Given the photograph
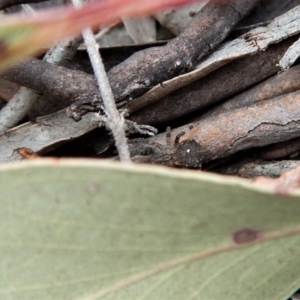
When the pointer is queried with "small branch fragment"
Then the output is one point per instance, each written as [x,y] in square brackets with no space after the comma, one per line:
[152,66]
[17,108]
[290,56]
[256,40]
[56,81]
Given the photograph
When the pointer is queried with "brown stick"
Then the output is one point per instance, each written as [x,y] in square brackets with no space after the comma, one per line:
[59,82]
[143,69]
[265,123]
[283,83]
[221,84]
[68,85]
[147,68]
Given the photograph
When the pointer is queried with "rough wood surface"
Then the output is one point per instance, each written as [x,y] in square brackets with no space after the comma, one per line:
[59,82]
[248,44]
[283,83]
[257,125]
[40,137]
[144,68]
[217,86]
[83,89]
[155,65]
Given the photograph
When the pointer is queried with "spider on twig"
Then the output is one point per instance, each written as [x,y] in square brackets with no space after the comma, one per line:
[185,154]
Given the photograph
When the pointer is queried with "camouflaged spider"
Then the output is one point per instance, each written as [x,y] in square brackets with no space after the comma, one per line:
[185,154]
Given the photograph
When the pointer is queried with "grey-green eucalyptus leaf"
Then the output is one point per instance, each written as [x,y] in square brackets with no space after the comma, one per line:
[93,230]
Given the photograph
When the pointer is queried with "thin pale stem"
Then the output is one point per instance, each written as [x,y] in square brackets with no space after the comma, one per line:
[114,121]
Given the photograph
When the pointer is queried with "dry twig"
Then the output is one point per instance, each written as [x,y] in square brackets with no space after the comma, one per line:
[113,120]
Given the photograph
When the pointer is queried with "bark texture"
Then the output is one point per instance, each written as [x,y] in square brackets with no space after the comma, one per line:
[261,124]
[217,86]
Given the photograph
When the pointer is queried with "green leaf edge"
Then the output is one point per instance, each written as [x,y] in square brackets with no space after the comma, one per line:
[145,169]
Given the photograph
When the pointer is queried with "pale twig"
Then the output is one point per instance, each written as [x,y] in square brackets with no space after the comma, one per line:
[290,56]
[16,109]
[114,120]
[62,51]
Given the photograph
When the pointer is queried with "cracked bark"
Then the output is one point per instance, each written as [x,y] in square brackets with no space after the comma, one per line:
[286,183]
[261,124]
[86,94]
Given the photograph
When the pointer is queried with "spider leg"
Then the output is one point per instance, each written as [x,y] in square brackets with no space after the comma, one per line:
[177,138]
[168,135]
